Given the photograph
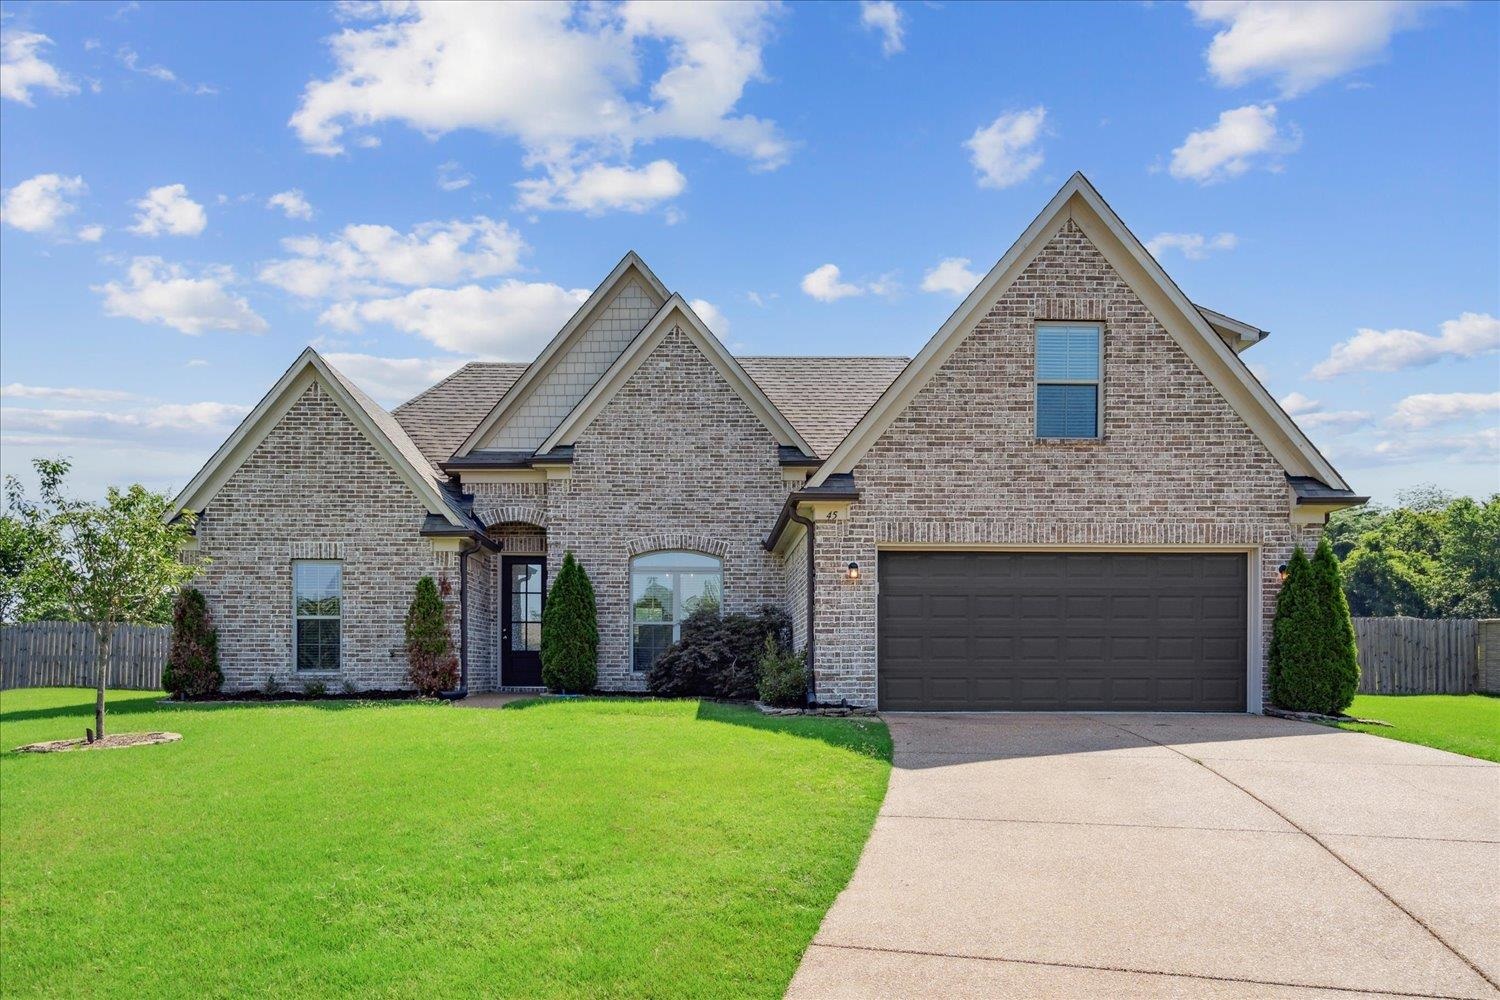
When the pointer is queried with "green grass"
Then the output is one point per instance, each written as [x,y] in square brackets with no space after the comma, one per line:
[587,848]
[1463,723]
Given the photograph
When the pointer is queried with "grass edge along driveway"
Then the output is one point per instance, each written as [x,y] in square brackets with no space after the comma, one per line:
[1468,724]
[602,848]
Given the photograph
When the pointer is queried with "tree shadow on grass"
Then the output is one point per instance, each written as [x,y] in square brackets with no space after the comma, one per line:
[144,702]
[863,735]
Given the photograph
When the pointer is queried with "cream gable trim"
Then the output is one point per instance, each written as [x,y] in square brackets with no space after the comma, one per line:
[675,314]
[631,265]
[1079,201]
[307,370]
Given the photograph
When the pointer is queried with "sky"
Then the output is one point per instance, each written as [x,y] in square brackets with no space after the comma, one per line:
[191,194]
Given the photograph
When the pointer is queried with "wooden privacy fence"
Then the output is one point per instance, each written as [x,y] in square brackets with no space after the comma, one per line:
[1417,655]
[61,654]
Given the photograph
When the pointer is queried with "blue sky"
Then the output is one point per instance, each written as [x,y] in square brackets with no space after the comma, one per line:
[191,194]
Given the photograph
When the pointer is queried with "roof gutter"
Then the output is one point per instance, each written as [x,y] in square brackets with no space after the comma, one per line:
[789,513]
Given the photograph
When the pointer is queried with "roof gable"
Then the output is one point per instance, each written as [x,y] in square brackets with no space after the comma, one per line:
[1079,201]
[378,426]
[675,314]
[630,270]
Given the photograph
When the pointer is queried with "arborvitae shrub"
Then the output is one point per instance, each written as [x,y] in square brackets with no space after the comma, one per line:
[1313,663]
[570,631]
[192,668]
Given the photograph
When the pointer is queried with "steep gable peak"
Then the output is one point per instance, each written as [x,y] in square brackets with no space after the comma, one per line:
[572,360]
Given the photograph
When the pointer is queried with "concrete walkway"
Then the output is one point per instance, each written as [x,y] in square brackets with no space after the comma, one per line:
[1167,856]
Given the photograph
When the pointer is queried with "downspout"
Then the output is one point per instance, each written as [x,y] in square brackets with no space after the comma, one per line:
[462,691]
[812,539]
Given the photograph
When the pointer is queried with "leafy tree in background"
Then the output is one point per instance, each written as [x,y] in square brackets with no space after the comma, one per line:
[26,593]
[1434,556]
[113,562]
[570,631]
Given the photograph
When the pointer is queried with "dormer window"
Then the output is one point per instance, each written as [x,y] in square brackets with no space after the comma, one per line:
[1069,367]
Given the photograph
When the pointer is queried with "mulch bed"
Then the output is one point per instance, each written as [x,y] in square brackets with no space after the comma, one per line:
[115,742]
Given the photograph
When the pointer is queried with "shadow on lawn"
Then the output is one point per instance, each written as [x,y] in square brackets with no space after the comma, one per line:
[143,702]
[865,736]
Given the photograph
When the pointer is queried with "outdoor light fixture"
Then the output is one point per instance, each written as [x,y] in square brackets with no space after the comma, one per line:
[853,572]
[1281,570]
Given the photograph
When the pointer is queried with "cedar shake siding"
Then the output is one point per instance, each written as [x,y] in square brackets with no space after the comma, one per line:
[961,465]
[314,488]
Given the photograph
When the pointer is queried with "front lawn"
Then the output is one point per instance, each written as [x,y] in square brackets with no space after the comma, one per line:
[1463,723]
[590,848]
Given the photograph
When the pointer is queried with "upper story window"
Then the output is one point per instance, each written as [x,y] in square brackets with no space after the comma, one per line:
[666,587]
[317,612]
[1069,366]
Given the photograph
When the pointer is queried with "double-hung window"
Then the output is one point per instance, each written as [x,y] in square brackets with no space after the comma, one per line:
[666,587]
[317,611]
[1069,363]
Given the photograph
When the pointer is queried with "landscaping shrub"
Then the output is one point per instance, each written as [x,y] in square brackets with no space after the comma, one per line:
[315,689]
[718,656]
[570,631]
[783,676]
[192,668]
[1313,663]
[431,667]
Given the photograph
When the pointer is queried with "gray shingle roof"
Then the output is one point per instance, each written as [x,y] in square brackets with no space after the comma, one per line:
[823,397]
[439,418]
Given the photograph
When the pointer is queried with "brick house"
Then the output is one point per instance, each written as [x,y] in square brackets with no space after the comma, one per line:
[1076,496]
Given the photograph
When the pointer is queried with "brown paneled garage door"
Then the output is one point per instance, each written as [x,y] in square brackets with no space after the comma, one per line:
[1062,631]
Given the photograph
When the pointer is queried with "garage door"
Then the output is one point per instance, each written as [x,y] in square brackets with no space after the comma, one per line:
[1049,631]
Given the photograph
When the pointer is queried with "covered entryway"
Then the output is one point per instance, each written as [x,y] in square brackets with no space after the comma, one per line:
[1062,631]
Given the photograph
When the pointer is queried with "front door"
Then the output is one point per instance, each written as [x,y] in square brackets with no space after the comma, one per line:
[523,584]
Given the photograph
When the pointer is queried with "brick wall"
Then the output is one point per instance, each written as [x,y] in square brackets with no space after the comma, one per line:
[961,466]
[675,459]
[314,488]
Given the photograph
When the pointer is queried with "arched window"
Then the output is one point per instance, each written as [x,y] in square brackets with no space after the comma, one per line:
[666,587]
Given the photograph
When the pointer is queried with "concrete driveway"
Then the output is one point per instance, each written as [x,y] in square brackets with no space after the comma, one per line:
[1167,856]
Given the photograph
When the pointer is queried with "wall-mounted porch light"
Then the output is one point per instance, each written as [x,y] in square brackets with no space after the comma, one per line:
[1281,571]
[853,571]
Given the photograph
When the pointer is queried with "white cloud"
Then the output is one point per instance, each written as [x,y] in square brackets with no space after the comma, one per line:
[367,259]
[951,275]
[196,363]
[17,390]
[825,284]
[451,176]
[22,69]
[1470,336]
[157,292]
[1428,408]
[599,188]
[293,204]
[91,234]
[393,380]
[573,84]
[168,209]
[1298,45]
[1240,139]
[509,321]
[1295,403]
[132,61]
[1006,151]
[162,422]
[38,204]
[1309,413]
[1480,447]
[1193,246]
[709,313]
[885,17]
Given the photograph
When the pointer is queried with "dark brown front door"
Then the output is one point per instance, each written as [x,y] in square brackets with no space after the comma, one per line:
[523,587]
